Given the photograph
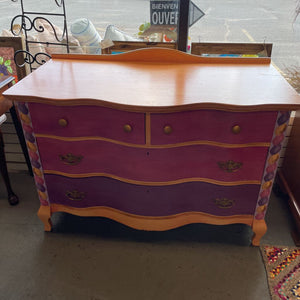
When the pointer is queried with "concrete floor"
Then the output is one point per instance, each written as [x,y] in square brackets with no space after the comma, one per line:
[98,259]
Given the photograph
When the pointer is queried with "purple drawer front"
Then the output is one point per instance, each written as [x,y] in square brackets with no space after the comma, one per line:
[154,165]
[150,200]
[88,121]
[212,125]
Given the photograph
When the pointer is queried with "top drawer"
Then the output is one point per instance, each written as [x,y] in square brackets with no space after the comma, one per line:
[88,121]
[212,125]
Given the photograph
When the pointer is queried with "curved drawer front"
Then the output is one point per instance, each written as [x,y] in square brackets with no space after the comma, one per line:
[152,201]
[79,121]
[210,125]
[152,165]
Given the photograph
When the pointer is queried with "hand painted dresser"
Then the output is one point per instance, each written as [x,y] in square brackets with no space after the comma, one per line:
[155,138]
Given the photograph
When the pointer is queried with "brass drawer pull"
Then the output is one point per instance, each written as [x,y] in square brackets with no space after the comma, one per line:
[230,166]
[62,122]
[75,195]
[224,203]
[127,128]
[236,129]
[70,159]
[168,129]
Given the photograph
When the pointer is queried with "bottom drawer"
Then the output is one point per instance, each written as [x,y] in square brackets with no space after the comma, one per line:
[153,200]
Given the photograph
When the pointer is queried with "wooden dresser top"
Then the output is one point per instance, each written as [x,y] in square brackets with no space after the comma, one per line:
[158,80]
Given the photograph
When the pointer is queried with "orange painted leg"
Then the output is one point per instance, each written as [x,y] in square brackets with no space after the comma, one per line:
[259,228]
[44,214]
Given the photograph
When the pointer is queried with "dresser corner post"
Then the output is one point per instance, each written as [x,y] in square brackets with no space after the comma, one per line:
[259,228]
[44,214]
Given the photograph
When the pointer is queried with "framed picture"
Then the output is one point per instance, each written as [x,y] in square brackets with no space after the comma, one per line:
[8,47]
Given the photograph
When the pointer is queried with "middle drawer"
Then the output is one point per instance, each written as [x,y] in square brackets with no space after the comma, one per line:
[152,165]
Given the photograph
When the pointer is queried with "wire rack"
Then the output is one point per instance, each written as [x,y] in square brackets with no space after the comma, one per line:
[34,22]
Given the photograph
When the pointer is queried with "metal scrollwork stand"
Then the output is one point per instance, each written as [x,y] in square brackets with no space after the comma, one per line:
[21,25]
[29,20]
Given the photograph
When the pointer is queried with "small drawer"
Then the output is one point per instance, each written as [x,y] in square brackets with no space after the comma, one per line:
[153,200]
[212,125]
[153,165]
[87,121]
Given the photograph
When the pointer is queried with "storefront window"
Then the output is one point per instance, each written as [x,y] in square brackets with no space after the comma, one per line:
[236,21]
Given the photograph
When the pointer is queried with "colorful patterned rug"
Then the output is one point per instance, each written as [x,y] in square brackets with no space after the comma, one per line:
[283,271]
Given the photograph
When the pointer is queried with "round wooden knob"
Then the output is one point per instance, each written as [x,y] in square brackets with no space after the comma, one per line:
[127,128]
[62,122]
[168,129]
[236,129]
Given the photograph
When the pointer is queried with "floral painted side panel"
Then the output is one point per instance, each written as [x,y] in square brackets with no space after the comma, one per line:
[33,153]
[271,164]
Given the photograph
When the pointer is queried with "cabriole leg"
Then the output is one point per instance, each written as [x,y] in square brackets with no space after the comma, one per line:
[259,228]
[44,214]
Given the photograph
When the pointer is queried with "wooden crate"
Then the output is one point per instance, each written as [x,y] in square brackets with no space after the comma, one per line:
[260,49]
[120,47]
